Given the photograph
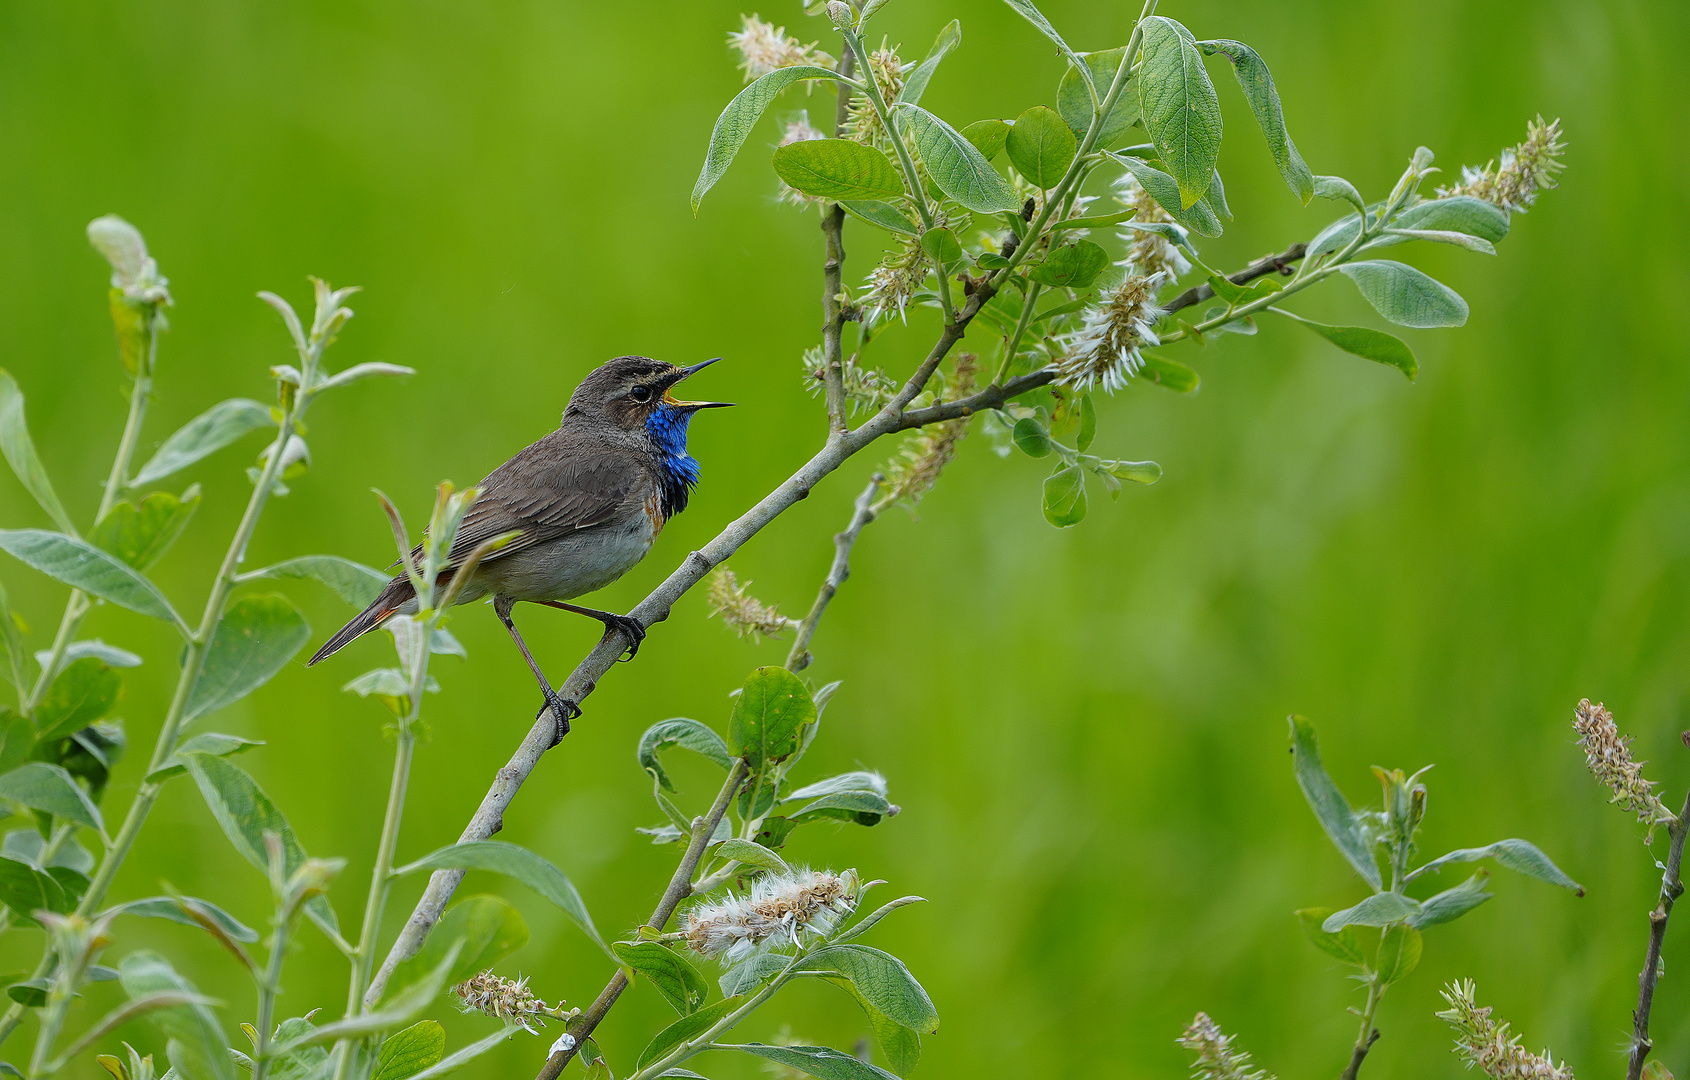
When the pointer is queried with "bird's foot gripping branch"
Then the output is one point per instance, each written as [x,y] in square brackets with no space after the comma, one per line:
[1063,242]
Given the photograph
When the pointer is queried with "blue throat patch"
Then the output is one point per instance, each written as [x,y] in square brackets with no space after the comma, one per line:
[677,471]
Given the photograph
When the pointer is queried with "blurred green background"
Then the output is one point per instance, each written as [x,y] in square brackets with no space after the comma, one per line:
[1085,728]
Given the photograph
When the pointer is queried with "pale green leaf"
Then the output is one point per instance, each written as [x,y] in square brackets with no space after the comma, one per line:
[1330,807]
[19,450]
[1257,84]
[954,165]
[1181,110]
[81,565]
[254,640]
[1404,295]
[205,434]
[734,126]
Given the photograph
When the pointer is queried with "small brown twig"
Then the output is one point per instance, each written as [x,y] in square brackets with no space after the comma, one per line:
[864,512]
[1262,267]
[833,282]
[1671,889]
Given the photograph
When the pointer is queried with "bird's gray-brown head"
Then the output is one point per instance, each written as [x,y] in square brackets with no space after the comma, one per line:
[634,394]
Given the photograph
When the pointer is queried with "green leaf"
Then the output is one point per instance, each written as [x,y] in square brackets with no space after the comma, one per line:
[1071,266]
[245,814]
[1399,952]
[987,136]
[17,657]
[77,650]
[1330,808]
[1139,472]
[1169,373]
[861,807]
[214,743]
[1181,111]
[901,1045]
[27,890]
[1073,101]
[1198,217]
[205,434]
[138,535]
[686,1028]
[678,981]
[1345,945]
[170,909]
[482,929]
[752,854]
[51,790]
[1339,190]
[1065,497]
[685,733]
[954,165]
[820,1061]
[1041,147]
[1516,855]
[1404,295]
[1257,84]
[80,694]
[915,84]
[885,215]
[406,1053]
[1380,909]
[769,715]
[1443,236]
[1458,213]
[734,126]
[254,640]
[17,739]
[521,864]
[883,980]
[1031,438]
[1451,904]
[357,584]
[838,169]
[1365,342]
[746,974]
[81,565]
[942,244]
[362,371]
[19,450]
[200,1049]
[1088,423]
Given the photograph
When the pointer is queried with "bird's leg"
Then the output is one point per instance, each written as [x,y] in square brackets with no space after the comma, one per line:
[562,708]
[630,627]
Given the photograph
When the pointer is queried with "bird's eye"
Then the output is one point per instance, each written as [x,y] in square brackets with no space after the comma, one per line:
[640,393]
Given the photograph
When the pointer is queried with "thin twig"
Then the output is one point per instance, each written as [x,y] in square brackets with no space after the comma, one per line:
[994,396]
[680,887]
[1671,888]
[833,286]
[864,512]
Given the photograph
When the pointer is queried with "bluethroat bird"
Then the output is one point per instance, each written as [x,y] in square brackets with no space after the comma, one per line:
[587,501]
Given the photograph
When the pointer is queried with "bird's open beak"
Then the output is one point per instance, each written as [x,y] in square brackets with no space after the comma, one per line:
[688,372]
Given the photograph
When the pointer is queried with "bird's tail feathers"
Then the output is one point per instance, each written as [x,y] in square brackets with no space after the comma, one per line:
[393,597]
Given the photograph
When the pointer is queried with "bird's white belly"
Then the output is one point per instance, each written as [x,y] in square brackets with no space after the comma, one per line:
[578,563]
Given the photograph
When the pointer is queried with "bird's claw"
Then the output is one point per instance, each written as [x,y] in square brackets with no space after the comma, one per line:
[563,709]
[632,629]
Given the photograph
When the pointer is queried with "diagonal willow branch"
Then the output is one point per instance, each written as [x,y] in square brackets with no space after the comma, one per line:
[841,445]
[1671,888]
[681,885]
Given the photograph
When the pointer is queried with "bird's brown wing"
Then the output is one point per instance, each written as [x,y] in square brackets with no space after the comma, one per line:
[546,491]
